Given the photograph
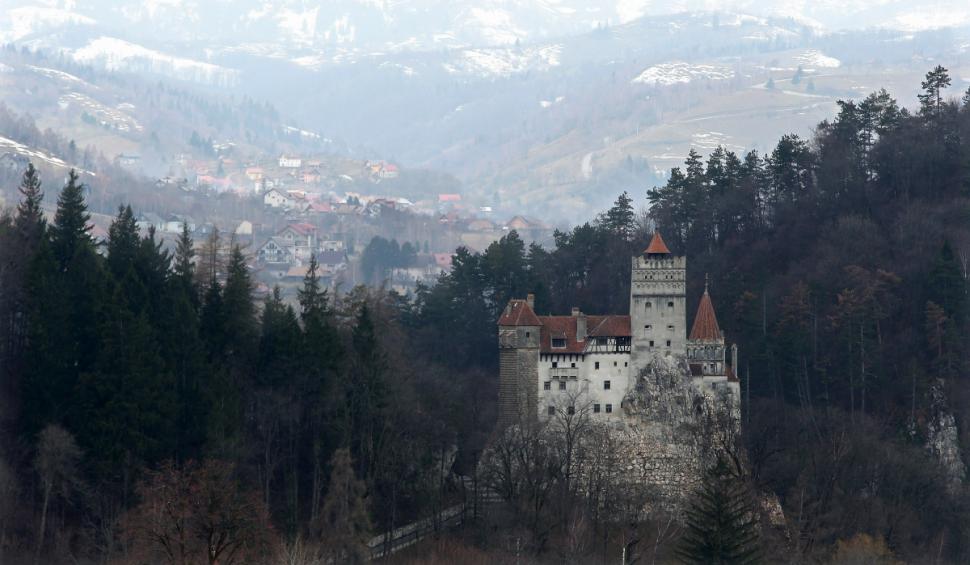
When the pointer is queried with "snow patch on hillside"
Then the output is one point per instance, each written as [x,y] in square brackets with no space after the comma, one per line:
[56,74]
[118,55]
[816,59]
[7,144]
[106,116]
[505,62]
[678,72]
[19,23]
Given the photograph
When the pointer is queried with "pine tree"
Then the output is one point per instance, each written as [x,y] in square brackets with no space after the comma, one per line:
[931,100]
[69,233]
[621,219]
[344,526]
[721,522]
[29,221]
[123,242]
[184,268]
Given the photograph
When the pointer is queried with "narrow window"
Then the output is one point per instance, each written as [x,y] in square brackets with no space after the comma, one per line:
[596,365]
[668,343]
[562,385]
[648,305]
[606,385]
[651,343]
[528,334]
[572,365]
[625,364]
[550,410]
[609,408]
[614,364]
[555,364]
[670,305]
[596,409]
[571,410]
[547,385]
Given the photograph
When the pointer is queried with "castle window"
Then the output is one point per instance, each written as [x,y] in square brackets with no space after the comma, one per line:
[558,342]
[547,385]
[596,365]
[555,364]
[648,327]
[648,305]
[625,364]
[670,327]
[571,410]
[614,364]
[528,334]
[550,410]
[572,365]
[562,385]
[670,304]
[609,408]
[606,385]
[651,343]
[596,409]
[668,343]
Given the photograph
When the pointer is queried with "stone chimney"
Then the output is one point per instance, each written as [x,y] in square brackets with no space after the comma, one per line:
[580,324]
[530,299]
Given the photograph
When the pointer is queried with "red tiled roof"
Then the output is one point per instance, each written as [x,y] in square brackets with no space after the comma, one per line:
[302,228]
[705,323]
[518,313]
[564,327]
[657,246]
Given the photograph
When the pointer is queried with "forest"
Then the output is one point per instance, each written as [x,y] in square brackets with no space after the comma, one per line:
[154,412]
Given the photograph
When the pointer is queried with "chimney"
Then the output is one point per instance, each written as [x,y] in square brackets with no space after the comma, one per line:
[734,357]
[580,326]
[530,299]
[575,311]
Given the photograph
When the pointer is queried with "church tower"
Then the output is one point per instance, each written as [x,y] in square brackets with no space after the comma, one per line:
[658,304]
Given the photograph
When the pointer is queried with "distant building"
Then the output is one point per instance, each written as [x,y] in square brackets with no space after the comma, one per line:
[127,160]
[290,162]
[275,198]
[254,173]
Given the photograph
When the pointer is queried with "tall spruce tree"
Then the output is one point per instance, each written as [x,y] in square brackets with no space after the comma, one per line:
[722,526]
[69,233]
[29,220]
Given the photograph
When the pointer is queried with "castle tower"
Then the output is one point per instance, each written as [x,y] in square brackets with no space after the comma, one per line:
[658,304]
[705,346]
[518,342]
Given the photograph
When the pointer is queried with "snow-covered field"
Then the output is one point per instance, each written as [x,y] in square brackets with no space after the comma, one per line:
[119,55]
[7,144]
[105,115]
[678,72]
[505,62]
[815,59]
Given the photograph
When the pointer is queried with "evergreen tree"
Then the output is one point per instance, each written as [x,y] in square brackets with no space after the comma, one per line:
[123,243]
[931,100]
[621,219]
[721,521]
[69,233]
[344,526]
[29,221]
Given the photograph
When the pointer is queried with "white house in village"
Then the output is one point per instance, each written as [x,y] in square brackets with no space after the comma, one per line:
[547,362]
[276,198]
[274,251]
[290,162]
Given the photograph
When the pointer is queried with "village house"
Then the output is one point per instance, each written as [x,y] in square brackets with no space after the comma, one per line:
[311,176]
[290,162]
[255,173]
[275,251]
[148,220]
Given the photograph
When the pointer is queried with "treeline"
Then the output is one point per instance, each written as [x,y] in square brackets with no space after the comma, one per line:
[133,378]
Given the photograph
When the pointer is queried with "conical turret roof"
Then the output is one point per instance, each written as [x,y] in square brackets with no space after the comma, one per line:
[705,323]
[657,246]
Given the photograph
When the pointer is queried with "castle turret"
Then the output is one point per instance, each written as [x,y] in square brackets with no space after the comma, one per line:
[705,346]
[658,305]
[518,341]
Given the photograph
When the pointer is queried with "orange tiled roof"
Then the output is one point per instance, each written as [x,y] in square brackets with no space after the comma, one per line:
[705,323]
[564,327]
[657,246]
[518,313]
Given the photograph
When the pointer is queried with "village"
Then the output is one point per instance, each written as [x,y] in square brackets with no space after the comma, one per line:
[293,208]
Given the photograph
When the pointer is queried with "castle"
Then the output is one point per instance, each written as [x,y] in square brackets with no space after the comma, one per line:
[561,364]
